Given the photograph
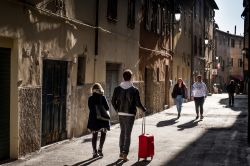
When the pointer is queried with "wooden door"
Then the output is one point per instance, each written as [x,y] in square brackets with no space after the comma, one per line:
[54,101]
[5,103]
[112,77]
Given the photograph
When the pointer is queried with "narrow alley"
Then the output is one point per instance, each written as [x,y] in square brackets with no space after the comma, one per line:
[219,139]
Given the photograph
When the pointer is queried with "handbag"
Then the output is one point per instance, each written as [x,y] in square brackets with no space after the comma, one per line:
[101,112]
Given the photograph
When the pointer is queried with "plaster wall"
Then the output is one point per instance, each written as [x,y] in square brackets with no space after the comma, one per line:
[37,36]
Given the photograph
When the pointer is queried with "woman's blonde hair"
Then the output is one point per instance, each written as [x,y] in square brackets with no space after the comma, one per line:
[97,88]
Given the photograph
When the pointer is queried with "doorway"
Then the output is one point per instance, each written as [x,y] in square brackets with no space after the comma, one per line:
[5,54]
[54,94]
[112,80]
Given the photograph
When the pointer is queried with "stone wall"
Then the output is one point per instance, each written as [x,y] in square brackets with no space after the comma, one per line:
[81,109]
[29,103]
[157,97]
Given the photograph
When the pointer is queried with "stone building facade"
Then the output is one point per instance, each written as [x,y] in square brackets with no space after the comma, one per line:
[245,50]
[53,52]
[155,53]
[229,62]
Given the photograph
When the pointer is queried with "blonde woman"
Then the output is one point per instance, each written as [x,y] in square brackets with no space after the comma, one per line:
[95,125]
[179,92]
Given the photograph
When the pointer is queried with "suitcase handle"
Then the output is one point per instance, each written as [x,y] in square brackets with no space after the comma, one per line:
[143,124]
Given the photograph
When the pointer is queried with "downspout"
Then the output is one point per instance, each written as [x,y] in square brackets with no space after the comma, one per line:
[204,33]
[172,42]
[192,49]
[96,35]
[248,73]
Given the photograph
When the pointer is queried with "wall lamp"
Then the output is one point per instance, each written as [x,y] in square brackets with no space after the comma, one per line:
[206,41]
[177,14]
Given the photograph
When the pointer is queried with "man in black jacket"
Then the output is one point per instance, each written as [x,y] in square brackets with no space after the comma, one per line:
[125,99]
[231,90]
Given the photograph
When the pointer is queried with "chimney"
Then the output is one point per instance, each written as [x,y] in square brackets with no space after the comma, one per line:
[235,29]
[227,31]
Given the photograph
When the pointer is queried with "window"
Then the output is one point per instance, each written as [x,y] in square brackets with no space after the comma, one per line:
[154,17]
[166,17]
[232,43]
[112,10]
[55,6]
[200,11]
[158,74]
[157,18]
[200,47]
[81,70]
[164,22]
[131,14]
[184,23]
[195,10]
[222,65]
[195,45]
[232,62]
[240,63]
[148,15]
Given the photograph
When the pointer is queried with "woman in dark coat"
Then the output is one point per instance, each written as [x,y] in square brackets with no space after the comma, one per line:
[179,93]
[95,125]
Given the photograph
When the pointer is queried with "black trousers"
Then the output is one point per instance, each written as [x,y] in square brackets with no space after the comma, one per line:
[126,125]
[94,140]
[231,98]
[199,101]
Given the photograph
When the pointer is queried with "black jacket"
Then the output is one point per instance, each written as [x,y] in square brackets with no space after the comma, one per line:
[231,88]
[93,123]
[126,100]
[183,89]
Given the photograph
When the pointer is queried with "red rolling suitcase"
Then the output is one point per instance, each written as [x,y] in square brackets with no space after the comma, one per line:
[146,144]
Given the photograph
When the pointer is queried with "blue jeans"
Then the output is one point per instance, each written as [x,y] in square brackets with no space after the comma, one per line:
[178,102]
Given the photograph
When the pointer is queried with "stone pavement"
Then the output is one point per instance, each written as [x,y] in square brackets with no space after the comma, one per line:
[220,139]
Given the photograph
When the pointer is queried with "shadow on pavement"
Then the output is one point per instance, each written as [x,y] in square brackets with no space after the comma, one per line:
[86,162]
[190,124]
[238,103]
[118,162]
[218,145]
[166,122]
[141,163]
[7,161]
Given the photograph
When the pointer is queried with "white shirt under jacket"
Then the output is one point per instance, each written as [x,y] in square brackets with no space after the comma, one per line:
[199,89]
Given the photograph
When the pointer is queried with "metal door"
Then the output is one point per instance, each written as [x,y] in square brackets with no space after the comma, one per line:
[54,101]
[112,73]
[5,103]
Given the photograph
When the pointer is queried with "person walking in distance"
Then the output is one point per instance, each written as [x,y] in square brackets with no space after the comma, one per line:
[95,125]
[231,90]
[199,93]
[125,99]
[179,92]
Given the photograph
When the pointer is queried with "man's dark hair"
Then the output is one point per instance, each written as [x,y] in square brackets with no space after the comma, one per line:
[127,75]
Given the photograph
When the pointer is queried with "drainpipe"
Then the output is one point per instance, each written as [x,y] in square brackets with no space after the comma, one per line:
[204,33]
[96,34]
[192,48]
[248,72]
